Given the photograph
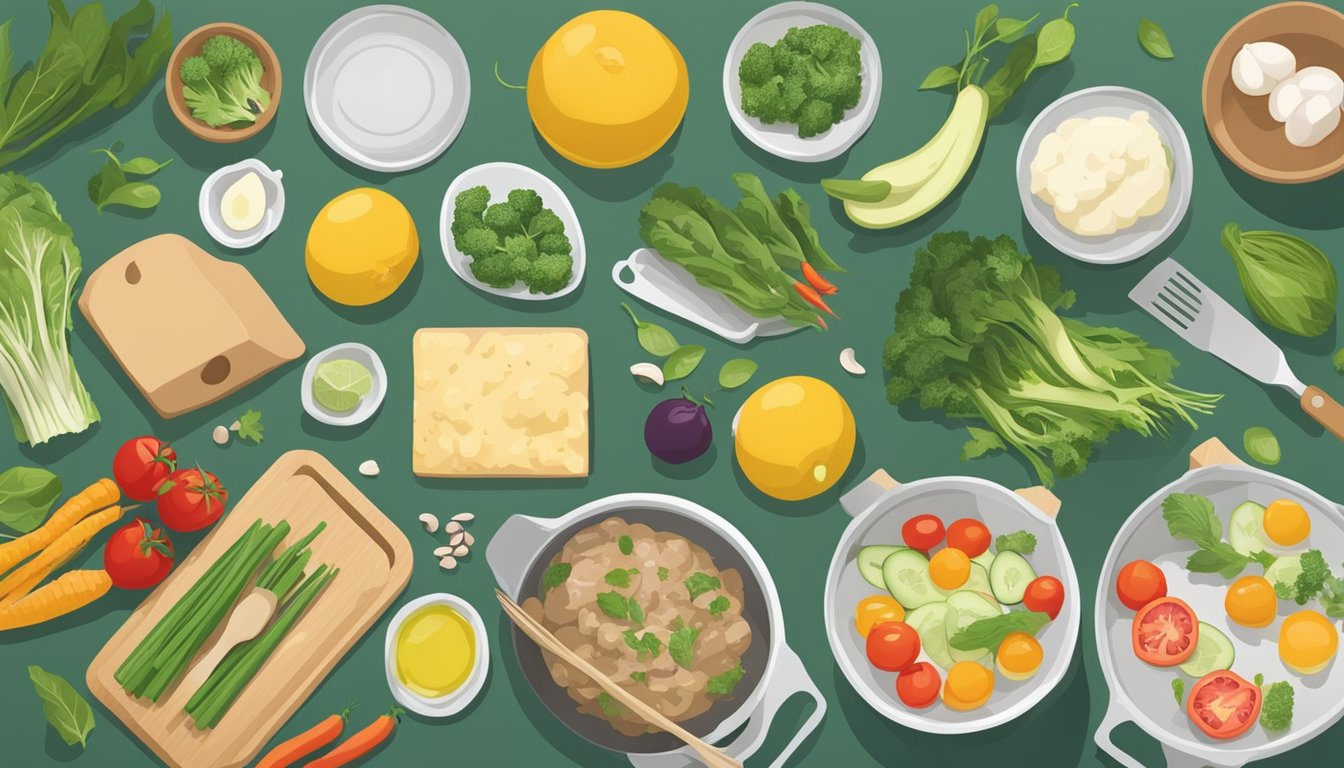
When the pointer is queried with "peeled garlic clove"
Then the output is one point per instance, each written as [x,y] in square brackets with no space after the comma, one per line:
[648,372]
[469,540]
[442,552]
[452,527]
[1312,122]
[430,522]
[369,468]
[463,517]
[460,551]
[448,563]
[1285,99]
[850,364]
[457,538]
[1248,75]
[220,435]
[1320,81]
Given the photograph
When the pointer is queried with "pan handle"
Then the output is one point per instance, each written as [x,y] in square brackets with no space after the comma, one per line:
[866,493]
[1115,716]
[1179,759]
[788,678]
[512,548]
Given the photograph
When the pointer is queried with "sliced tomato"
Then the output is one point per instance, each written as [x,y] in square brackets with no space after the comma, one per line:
[1165,632]
[1223,704]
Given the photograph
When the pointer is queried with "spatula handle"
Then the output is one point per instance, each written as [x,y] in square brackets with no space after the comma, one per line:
[1324,410]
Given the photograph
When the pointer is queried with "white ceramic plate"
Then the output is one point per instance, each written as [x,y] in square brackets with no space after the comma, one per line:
[371,402]
[781,139]
[387,88]
[1149,231]
[457,700]
[212,193]
[500,179]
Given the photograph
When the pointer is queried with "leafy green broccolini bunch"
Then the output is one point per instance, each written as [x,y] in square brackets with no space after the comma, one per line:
[222,86]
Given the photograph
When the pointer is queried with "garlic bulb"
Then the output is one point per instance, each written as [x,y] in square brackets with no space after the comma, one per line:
[1312,122]
[1320,81]
[1258,67]
[1285,99]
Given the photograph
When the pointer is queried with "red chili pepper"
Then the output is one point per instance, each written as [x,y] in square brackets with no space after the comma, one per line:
[814,279]
[306,743]
[810,295]
[361,743]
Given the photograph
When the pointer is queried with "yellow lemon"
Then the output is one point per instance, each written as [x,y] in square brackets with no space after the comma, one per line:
[361,247]
[607,89]
[1307,642]
[794,437]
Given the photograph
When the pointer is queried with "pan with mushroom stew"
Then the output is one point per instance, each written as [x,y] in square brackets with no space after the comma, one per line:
[669,600]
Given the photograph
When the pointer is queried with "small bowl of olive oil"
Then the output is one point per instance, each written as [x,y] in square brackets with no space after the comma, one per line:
[437,655]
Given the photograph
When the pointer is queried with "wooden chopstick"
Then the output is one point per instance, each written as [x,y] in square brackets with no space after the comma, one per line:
[708,753]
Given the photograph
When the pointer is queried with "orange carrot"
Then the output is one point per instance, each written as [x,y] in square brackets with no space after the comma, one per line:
[62,548]
[306,743]
[72,590]
[76,508]
[22,590]
[812,297]
[824,287]
[361,743]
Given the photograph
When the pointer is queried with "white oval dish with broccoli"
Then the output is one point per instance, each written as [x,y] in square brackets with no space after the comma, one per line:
[809,113]
[508,230]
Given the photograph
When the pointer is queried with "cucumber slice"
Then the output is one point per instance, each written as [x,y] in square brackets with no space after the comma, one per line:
[978,581]
[1246,529]
[870,563]
[984,560]
[905,573]
[929,622]
[1284,570]
[1009,576]
[1213,652]
[964,609]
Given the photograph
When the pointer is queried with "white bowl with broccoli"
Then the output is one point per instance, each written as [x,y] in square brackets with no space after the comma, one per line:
[510,231]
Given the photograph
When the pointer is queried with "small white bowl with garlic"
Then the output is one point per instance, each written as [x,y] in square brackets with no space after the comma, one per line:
[242,204]
[1307,101]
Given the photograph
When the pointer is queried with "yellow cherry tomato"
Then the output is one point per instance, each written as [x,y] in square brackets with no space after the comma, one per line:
[1019,656]
[969,685]
[949,568]
[1307,642]
[1251,601]
[874,610]
[1286,523]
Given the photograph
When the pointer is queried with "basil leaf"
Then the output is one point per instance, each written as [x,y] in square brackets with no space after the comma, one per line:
[26,496]
[984,19]
[640,677]
[1178,688]
[1011,30]
[682,362]
[736,372]
[134,194]
[555,576]
[939,77]
[66,710]
[613,604]
[636,611]
[108,178]
[1055,41]
[1262,446]
[143,166]
[618,577]
[1154,40]
[655,339]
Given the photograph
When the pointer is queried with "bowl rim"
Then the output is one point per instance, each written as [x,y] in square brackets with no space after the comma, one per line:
[172,83]
[361,413]
[455,701]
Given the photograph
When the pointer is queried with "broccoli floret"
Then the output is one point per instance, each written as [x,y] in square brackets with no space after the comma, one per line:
[243,86]
[526,202]
[495,271]
[1276,714]
[520,247]
[479,242]
[1309,580]
[472,202]
[764,101]
[194,69]
[814,118]
[555,242]
[757,65]
[545,223]
[809,78]
[502,218]
[549,273]
[792,95]
[225,53]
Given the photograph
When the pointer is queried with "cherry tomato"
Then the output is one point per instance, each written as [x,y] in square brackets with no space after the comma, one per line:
[141,464]
[893,646]
[918,685]
[1165,632]
[1044,594]
[1139,584]
[922,532]
[138,556]
[194,500]
[970,536]
[1223,704]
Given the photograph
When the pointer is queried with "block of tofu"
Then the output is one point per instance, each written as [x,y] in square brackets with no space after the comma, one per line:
[501,402]
[188,328]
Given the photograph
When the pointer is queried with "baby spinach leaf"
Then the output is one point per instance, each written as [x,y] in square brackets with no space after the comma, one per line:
[555,576]
[133,194]
[1011,30]
[736,372]
[143,166]
[26,496]
[655,339]
[984,20]
[938,78]
[1054,42]
[681,646]
[1154,39]
[682,362]
[66,711]
[111,185]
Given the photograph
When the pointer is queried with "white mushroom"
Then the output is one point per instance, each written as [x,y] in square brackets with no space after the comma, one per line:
[849,363]
[648,372]
[442,552]
[369,468]
[430,522]
[220,435]
[448,563]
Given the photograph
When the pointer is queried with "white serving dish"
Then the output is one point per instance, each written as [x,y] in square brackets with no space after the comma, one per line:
[1148,232]
[367,406]
[500,179]
[212,192]
[387,88]
[781,139]
[459,699]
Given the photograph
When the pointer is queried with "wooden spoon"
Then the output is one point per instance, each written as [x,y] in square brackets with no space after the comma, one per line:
[247,620]
[709,754]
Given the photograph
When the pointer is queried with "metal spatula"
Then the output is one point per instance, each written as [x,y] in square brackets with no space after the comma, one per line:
[1185,305]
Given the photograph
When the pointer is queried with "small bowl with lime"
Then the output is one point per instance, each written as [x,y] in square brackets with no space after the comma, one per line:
[343,385]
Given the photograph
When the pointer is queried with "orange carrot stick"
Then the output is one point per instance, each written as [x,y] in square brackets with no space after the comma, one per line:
[62,548]
[71,591]
[76,508]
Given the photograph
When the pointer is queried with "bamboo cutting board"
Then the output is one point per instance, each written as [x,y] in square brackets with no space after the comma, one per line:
[374,556]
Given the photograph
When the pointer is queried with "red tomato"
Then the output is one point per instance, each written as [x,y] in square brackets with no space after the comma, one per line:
[1044,594]
[141,465]
[1139,584]
[922,532]
[194,500]
[970,536]
[1223,704]
[138,556]
[918,685]
[893,646]
[1165,632]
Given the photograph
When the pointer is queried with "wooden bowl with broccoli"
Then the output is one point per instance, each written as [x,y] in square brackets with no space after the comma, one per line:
[223,82]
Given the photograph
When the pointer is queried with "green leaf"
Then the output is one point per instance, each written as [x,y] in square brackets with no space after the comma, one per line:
[982,441]
[1262,446]
[613,604]
[682,362]
[1192,517]
[646,644]
[636,611]
[723,685]
[1178,688]
[662,573]
[984,20]
[618,577]
[133,194]
[640,677]
[797,217]
[26,496]
[937,78]
[143,166]
[681,646]
[1010,76]
[6,58]
[736,372]
[655,339]
[1054,41]
[1021,542]
[718,605]
[626,545]
[608,704]
[554,576]
[250,426]
[988,633]
[67,711]
[1011,30]
[1154,39]
[699,583]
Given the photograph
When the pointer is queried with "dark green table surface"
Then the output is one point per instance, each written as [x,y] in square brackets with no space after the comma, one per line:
[506,726]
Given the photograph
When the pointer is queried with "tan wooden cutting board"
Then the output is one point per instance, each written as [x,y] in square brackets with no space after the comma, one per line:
[374,556]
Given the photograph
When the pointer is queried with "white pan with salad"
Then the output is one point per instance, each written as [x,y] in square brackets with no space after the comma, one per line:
[1217,616]
[951,602]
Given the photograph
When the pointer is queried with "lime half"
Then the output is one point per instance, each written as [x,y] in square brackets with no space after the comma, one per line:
[339,385]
